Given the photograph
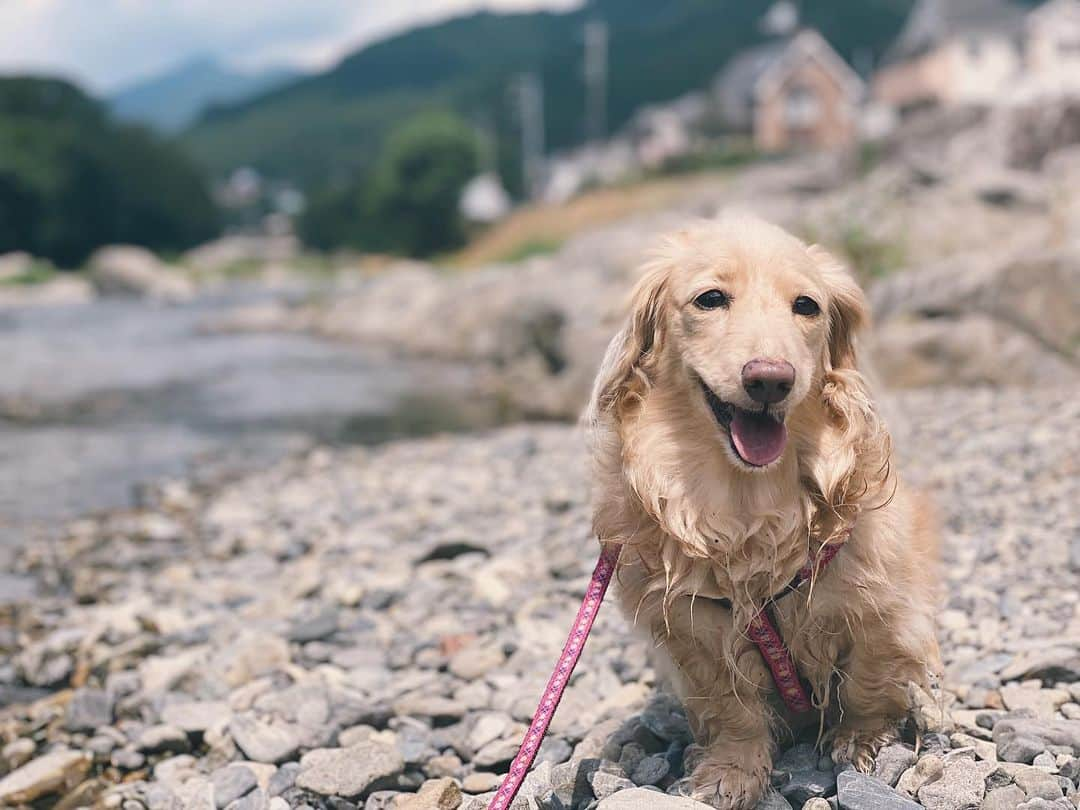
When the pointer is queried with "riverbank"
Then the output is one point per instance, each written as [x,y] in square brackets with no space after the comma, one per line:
[352,624]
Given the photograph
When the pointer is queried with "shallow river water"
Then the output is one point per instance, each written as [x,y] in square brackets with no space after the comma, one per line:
[97,399]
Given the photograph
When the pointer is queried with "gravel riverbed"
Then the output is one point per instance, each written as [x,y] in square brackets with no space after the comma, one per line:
[370,628]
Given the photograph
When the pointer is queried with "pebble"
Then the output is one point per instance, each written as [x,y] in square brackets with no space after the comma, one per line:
[232,782]
[305,634]
[645,799]
[892,761]
[857,791]
[88,710]
[51,773]
[349,772]
[263,742]
[437,794]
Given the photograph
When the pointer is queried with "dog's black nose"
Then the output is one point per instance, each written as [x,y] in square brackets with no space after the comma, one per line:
[768,381]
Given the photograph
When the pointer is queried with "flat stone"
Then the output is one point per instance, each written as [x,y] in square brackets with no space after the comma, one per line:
[88,710]
[163,738]
[648,799]
[1048,732]
[232,782]
[263,742]
[650,770]
[127,759]
[489,727]
[1008,797]
[892,761]
[195,716]
[858,791]
[804,785]
[928,768]
[1037,783]
[1043,702]
[436,794]
[962,785]
[18,752]
[349,772]
[255,800]
[481,782]
[54,772]
[476,661]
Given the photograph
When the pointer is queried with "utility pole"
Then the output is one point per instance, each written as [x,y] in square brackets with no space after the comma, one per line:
[530,97]
[596,80]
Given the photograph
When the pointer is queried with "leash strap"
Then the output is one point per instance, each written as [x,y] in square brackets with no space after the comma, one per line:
[762,631]
[590,606]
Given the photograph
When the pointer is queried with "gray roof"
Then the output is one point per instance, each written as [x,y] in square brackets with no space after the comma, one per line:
[740,76]
[933,21]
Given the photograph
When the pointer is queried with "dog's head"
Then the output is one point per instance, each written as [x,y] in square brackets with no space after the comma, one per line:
[749,322]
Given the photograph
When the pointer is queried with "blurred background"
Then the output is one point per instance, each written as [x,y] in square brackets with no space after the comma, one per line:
[252,252]
[228,232]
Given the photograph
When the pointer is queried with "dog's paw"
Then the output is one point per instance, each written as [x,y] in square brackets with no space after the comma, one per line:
[859,746]
[730,777]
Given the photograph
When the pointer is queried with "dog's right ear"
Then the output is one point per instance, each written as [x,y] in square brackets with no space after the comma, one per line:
[632,353]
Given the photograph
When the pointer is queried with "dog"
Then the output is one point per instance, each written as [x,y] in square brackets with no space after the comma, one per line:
[733,436]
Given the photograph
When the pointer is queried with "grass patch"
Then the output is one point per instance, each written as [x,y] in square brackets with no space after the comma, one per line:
[537,246]
[871,257]
[39,272]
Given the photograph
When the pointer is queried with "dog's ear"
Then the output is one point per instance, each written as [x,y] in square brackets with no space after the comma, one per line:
[856,469]
[849,312]
[633,351]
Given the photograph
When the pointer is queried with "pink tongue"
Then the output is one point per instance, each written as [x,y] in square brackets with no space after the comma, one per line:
[758,439]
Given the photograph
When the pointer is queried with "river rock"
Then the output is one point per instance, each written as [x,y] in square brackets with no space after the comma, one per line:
[858,791]
[892,761]
[263,742]
[646,799]
[232,782]
[962,784]
[135,271]
[349,772]
[51,773]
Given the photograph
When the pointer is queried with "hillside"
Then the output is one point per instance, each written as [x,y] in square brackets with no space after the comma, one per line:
[174,100]
[326,127]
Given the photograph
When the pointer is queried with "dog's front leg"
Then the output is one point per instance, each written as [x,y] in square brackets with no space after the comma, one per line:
[873,695]
[726,708]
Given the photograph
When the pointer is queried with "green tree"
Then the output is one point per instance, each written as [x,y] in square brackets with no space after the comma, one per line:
[72,180]
[408,203]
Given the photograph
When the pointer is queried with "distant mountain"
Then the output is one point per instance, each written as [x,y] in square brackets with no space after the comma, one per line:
[325,128]
[173,100]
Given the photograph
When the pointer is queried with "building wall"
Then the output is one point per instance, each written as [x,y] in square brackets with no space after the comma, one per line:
[809,109]
[969,69]
[1052,53]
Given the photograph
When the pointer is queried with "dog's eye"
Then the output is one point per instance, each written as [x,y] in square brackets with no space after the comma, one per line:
[713,299]
[805,305]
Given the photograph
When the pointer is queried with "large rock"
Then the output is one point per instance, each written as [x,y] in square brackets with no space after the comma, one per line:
[645,799]
[128,270]
[857,791]
[349,772]
[962,785]
[52,773]
[264,742]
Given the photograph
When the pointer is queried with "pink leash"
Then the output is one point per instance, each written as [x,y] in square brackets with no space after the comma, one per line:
[598,585]
[762,631]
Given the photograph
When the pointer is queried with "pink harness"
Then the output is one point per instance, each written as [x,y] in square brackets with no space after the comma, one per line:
[762,631]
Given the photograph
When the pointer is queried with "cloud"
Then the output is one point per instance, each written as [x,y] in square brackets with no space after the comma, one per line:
[105,44]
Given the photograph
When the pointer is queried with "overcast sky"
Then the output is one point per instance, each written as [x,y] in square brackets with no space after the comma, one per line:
[106,44]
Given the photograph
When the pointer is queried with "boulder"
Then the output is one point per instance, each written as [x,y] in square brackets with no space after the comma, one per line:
[128,270]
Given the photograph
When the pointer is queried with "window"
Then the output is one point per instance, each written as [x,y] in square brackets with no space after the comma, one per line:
[801,107]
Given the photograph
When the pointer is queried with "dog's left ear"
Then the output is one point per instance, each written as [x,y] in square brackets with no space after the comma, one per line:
[849,312]
[633,351]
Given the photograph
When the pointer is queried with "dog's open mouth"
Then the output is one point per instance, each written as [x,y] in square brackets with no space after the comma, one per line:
[757,437]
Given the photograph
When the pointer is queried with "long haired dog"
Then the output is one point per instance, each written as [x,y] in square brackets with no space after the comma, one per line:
[732,437]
